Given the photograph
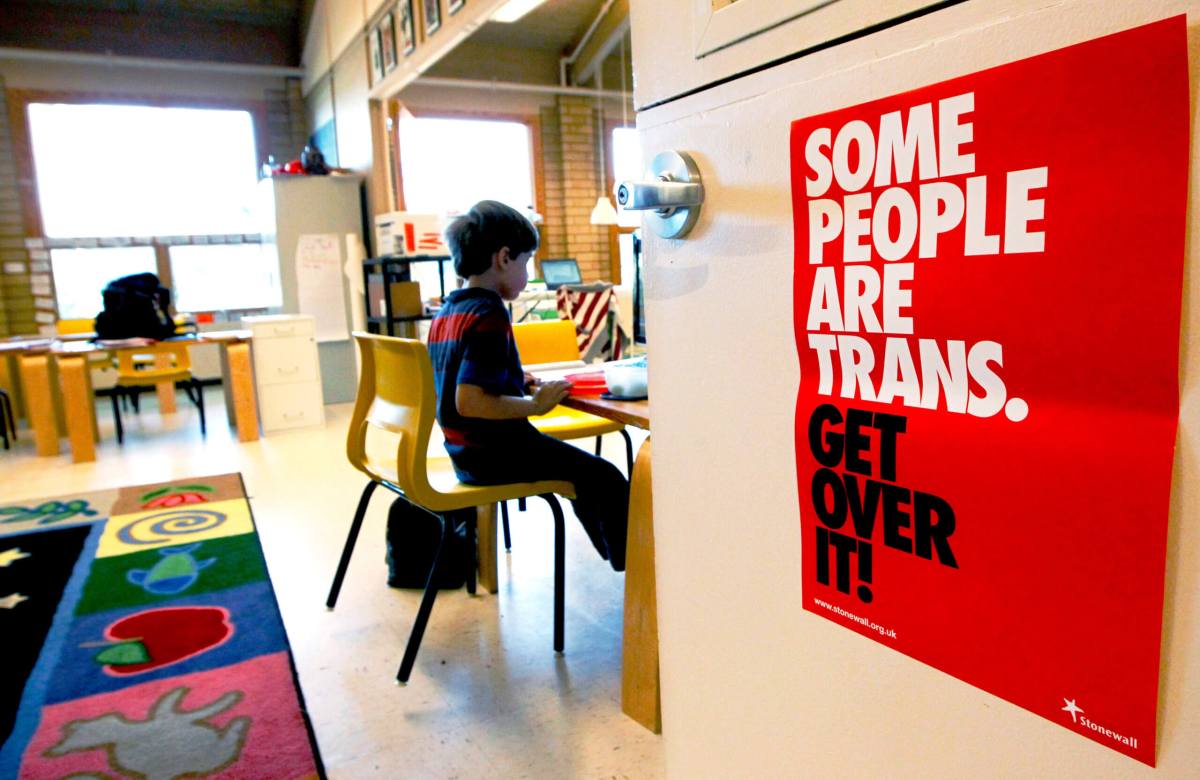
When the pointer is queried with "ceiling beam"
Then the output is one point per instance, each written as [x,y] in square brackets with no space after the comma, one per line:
[153,63]
[607,36]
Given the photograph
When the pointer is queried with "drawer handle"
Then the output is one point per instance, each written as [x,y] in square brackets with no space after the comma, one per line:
[289,330]
[292,370]
[296,416]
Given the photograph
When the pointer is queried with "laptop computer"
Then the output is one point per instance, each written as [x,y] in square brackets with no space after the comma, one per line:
[557,272]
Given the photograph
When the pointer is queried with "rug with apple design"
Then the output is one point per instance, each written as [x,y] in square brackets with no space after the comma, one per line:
[143,639]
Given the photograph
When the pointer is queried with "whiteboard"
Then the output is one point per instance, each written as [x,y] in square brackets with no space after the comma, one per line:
[320,287]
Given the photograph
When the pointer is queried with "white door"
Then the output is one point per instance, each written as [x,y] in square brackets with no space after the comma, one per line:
[753,686]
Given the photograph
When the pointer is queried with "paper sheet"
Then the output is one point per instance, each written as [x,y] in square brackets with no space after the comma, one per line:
[319,283]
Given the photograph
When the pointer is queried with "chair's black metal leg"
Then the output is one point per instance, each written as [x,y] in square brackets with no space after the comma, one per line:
[136,400]
[4,421]
[355,526]
[418,629]
[521,504]
[504,525]
[628,453]
[12,425]
[116,405]
[599,442]
[472,544]
[199,388]
[560,560]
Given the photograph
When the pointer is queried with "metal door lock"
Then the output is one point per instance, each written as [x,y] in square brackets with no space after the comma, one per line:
[673,199]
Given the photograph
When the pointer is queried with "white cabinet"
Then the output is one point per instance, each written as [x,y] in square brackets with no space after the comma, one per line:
[297,206]
[287,373]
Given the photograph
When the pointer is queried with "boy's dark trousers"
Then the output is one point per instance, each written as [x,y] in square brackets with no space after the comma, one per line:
[601,492]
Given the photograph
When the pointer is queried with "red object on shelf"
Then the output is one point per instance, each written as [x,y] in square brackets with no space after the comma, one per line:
[590,383]
[293,166]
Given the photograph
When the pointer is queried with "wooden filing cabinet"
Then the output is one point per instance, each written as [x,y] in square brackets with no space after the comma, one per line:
[287,373]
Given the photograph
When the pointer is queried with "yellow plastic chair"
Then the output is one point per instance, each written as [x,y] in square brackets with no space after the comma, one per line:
[138,371]
[75,326]
[396,402]
[555,341]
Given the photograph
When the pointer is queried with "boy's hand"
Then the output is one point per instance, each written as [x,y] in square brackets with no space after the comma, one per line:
[548,395]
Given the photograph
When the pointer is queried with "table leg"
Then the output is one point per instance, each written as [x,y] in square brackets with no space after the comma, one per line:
[640,698]
[39,406]
[165,390]
[8,382]
[486,548]
[241,390]
[78,407]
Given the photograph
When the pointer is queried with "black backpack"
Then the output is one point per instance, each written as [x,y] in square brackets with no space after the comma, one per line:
[412,539]
[134,306]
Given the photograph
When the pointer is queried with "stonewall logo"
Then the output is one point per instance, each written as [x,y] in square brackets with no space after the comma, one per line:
[1080,719]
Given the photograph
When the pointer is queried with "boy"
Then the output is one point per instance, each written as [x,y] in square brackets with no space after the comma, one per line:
[482,405]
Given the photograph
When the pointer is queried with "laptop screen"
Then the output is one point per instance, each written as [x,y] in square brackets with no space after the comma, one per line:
[559,272]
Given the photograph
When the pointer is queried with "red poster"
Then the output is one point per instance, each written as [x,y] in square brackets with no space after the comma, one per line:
[988,281]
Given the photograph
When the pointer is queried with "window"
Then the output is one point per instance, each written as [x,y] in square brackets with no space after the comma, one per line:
[202,277]
[80,275]
[627,166]
[121,171]
[450,164]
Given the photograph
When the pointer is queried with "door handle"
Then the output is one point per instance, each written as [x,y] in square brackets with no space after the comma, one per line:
[673,195]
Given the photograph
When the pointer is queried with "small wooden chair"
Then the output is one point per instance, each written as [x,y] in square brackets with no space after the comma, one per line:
[140,368]
[396,402]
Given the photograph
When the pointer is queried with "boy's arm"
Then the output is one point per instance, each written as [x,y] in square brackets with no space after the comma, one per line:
[474,401]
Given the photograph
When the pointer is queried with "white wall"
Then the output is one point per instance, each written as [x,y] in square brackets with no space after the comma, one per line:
[753,686]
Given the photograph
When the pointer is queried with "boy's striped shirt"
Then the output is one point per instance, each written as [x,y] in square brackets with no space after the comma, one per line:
[471,342]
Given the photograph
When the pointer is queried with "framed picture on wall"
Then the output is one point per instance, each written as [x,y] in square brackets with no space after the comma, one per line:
[433,15]
[376,57]
[407,29]
[387,30]
[454,5]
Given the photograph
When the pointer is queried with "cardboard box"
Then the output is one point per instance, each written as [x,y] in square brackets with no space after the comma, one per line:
[406,298]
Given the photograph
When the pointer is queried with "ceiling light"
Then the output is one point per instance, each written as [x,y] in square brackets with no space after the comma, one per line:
[515,9]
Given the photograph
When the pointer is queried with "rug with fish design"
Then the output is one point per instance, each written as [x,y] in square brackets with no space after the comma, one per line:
[144,640]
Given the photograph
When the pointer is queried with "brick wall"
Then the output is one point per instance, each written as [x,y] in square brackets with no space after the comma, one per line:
[20,308]
[287,122]
[587,243]
[569,169]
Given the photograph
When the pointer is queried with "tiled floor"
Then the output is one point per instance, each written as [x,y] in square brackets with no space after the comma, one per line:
[488,697]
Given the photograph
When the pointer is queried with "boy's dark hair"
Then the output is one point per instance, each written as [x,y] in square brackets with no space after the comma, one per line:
[477,235]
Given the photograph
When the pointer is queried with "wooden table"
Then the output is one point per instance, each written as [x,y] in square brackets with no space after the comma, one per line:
[640,698]
[37,360]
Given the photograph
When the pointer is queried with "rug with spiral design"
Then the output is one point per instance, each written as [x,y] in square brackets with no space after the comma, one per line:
[144,639]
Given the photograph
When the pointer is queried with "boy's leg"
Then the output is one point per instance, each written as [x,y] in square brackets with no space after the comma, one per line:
[601,492]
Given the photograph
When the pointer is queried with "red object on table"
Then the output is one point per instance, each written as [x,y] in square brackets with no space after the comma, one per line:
[590,383]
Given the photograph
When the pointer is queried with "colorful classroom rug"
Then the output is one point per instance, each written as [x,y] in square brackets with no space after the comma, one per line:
[144,640]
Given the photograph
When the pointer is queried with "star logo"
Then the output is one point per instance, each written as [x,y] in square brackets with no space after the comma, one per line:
[12,600]
[1072,708]
[15,554]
